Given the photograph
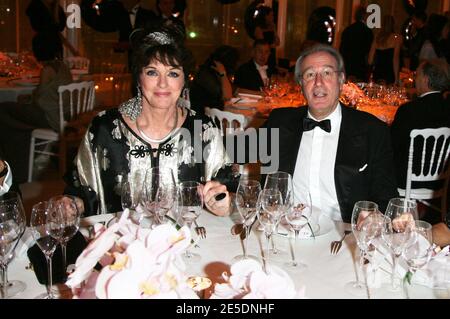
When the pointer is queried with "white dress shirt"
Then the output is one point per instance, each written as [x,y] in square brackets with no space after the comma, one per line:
[4,187]
[313,176]
[262,69]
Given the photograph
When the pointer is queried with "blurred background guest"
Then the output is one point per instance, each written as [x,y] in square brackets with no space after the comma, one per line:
[265,29]
[385,53]
[41,110]
[256,73]
[429,110]
[355,47]
[419,19]
[212,86]
[436,33]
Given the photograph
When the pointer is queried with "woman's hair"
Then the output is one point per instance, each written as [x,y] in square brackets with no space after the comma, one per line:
[387,28]
[261,13]
[227,55]
[163,44]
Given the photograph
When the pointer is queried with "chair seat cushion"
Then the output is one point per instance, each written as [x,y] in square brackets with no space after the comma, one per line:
[45,134]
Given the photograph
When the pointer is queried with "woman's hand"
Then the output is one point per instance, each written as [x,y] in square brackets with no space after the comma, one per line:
[218,207]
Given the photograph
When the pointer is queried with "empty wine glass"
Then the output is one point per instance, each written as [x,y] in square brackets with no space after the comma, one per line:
[282,182]
[361,227]
[190,207]
[269,209]
[418,249]
[64,219]
[399,220]
[12,227]
[297,218]
[159,193]
[246,202]
[41,231]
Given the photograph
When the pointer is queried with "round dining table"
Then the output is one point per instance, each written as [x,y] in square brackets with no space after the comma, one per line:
[324,277]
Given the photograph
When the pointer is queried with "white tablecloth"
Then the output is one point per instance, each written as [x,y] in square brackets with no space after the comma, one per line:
[325,276]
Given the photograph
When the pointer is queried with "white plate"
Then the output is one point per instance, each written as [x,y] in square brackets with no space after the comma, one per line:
[323,227]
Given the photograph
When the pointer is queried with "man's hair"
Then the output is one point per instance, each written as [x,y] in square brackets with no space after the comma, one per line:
[260,42]
[438,74]
[421,15]
[319,47]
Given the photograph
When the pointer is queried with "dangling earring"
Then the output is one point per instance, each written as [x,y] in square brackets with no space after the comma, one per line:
[183,100]
[133,107]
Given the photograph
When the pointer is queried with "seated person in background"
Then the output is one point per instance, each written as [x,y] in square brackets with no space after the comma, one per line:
[429,110]
[255,74]
[337,155]
[211,86]
[17,120]
[153,129]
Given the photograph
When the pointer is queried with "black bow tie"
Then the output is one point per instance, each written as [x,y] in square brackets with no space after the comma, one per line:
[309,124]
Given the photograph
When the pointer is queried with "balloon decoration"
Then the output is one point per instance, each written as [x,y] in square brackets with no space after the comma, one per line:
[249,16]
[322,25]
[415,5]
[107,16]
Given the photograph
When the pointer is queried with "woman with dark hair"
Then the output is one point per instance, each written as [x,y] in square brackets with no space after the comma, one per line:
[384,54]
[265,28]
[435,32]
[153,129]
[40,110]
[212,86]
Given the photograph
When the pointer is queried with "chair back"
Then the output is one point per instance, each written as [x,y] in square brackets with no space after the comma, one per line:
[229,122]
[74,99]
[434,156]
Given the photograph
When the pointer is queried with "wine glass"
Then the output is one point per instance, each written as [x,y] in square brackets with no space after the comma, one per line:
[282,182]
[190,207]
[269,209]
[41,231]
[64,219]
[399,219]
[12,227]
[418,249]
[297,218]
[246,202]
[159,193]
[362,220]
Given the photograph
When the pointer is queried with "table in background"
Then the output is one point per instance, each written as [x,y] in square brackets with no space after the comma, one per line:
[10,91]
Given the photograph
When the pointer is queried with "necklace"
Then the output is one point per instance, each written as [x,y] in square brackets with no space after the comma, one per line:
[150,140]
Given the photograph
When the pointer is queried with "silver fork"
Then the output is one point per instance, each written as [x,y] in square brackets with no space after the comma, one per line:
[200,230]
[337,244]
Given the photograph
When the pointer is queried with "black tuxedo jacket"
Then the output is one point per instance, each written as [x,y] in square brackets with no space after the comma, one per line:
[363,139]
[430,111]
[247,77]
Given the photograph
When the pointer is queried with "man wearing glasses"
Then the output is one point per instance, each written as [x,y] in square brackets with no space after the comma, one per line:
[336,155]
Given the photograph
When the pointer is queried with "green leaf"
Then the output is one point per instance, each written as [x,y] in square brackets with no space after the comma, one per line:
[408,277]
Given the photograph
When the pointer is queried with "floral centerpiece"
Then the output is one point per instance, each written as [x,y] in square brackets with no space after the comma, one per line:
[137,263]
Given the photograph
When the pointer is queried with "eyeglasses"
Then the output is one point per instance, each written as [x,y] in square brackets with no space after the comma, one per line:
[326,74]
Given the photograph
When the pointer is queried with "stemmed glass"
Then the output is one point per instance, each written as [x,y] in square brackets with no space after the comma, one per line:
[159,193]
[297,218]
[190,207]
[12,227]
[64,219]
[246,202]
[269,209]
[282,182]
[399,220]
[362,221]
[418,249]
[41,230]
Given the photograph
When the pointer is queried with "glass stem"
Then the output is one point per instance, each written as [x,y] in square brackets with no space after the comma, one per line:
[50,277]
[394,279]
[187,253]
[64,260]
[294,261]
[247,231]
[266,263]
[361,267]
[274,248]
[4,287]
